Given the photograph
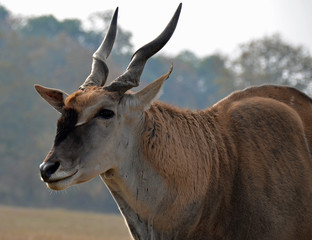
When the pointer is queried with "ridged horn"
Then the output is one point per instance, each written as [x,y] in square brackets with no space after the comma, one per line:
[131,77]
[99,69]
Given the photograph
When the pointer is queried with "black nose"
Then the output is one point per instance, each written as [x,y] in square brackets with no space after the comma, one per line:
[47,169]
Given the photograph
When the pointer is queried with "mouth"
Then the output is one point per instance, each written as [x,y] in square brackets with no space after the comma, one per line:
[61,183]
[62,179]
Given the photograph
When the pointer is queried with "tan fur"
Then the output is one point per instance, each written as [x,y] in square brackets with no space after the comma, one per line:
[241,169]
[199,153]
[171,139]
[82,99]
[89,101]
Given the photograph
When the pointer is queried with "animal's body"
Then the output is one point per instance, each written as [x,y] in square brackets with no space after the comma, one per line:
[241,169]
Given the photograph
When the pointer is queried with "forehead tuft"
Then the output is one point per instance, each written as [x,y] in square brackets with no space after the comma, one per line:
[81,99]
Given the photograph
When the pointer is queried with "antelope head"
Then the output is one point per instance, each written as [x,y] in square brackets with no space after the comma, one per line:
[98,125]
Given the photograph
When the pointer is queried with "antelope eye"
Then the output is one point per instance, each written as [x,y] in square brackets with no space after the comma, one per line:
[105,114]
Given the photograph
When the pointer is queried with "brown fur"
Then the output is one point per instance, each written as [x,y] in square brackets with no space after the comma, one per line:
[244,165]
[241,169]
[81,99]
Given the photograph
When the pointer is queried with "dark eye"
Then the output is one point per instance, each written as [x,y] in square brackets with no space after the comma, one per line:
[105,113]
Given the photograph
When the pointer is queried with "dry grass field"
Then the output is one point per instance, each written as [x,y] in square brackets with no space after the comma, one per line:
[36,224]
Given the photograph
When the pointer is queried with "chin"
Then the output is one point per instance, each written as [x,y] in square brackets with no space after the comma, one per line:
[56,186]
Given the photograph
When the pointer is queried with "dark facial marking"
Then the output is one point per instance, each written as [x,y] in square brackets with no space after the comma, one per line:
[65,125]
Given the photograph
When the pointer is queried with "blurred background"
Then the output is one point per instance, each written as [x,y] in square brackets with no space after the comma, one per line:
[218,48]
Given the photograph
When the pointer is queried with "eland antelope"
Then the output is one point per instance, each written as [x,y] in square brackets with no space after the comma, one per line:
[241,169]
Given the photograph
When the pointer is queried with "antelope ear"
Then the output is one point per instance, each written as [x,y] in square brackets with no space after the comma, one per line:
[54,97]
[145,97]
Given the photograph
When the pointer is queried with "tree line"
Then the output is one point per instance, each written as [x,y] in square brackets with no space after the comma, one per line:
[58,54]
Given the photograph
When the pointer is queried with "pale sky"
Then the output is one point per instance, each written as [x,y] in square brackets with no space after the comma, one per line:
[205,26]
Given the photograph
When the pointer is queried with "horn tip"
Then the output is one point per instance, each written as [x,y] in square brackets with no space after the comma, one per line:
[178,11]
[116,11]
[115,15]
